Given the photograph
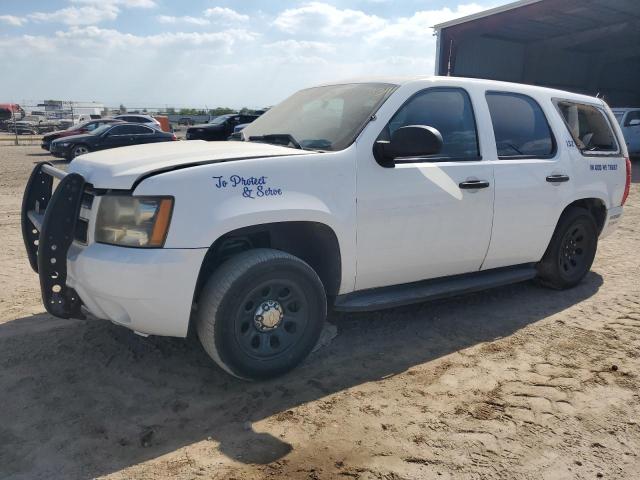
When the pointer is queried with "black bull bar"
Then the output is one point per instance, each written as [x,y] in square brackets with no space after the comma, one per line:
[48,220]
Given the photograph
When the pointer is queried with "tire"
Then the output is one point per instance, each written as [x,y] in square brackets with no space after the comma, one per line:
[571,251]
[77,150]
[260,313]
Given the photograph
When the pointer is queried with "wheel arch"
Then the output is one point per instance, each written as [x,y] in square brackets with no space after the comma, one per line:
[314,242]
[596,206]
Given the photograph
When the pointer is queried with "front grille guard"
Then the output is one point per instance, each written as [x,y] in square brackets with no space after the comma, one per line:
[48,220]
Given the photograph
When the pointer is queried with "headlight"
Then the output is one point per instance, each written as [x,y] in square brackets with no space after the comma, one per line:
[63,144]
[133,221]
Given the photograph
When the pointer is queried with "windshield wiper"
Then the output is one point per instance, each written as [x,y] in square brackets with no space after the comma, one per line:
[274,137]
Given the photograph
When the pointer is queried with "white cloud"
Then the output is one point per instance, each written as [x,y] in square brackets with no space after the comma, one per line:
[93,36]
[123,3]
[223,14]
[300,47]
[326,19]
[185,19]
[78,15]
[420,23]
[12,20]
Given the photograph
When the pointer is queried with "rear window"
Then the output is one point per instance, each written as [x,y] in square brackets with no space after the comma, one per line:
[589,127]
[520,127]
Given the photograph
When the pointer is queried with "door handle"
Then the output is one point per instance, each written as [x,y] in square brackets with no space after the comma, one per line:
[473,184]
[559,178]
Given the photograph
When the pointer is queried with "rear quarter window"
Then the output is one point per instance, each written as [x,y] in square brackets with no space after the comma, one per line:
[589,127]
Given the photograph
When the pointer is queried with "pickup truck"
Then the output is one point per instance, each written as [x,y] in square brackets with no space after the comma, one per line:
[351,196]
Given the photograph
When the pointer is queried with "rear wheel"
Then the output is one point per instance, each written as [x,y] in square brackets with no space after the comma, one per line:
[571,251]
[261,313]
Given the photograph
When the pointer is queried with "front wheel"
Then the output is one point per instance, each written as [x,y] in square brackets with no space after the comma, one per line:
[261,313]
[78,150]
[571,251]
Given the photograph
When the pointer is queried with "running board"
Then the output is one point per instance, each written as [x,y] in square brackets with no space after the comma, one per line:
[425,290]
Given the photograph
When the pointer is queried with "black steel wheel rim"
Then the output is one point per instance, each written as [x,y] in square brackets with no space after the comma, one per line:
[573,250]
[266,342]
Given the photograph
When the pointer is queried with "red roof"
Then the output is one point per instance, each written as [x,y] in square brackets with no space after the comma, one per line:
[12,107]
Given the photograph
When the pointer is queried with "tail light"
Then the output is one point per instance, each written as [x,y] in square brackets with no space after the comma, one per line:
[627,185]
[173,137]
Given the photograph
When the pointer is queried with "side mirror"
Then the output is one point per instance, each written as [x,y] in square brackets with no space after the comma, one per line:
[634,123]
[407,142]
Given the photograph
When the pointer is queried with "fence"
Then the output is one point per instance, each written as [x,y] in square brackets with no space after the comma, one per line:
[38,118]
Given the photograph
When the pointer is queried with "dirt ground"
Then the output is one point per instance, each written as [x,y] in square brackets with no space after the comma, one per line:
[518,382]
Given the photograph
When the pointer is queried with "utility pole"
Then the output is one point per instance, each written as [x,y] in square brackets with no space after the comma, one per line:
[72,117]
[15,129]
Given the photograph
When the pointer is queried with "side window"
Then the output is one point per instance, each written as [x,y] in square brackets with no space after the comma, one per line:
[588,126]
[520,127]
[634,115]
[119,130]
[139,130]
[449,111]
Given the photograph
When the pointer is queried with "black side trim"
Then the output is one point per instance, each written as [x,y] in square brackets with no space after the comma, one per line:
[58,228]
[425,290]
[36,198]
[203,162]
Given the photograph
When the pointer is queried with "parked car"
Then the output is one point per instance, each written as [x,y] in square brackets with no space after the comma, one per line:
[352,196]
[22,128]
[237,132]
[219,128]
[108,136]
[79,129]
[147,120]
[629,120]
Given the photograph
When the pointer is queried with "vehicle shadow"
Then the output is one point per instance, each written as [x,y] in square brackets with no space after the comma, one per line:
[86,398]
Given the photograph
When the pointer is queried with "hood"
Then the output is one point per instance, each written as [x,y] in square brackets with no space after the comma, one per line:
[119,168]
[59,133]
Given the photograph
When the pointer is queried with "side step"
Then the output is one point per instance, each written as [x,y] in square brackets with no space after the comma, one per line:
[433,289]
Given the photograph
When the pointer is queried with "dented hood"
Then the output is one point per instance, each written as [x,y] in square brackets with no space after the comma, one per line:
[119,168]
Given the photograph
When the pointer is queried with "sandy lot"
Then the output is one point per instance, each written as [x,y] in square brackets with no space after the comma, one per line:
[517,382]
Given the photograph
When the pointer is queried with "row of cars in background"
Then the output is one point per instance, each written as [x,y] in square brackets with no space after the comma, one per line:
[105,133]
[134,129]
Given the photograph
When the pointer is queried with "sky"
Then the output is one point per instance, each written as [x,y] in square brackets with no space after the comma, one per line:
[208,53]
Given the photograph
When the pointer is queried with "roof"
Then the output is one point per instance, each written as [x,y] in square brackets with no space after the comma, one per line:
[485,13]
[461,81]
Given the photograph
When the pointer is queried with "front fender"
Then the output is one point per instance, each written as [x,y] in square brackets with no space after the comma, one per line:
[210,201]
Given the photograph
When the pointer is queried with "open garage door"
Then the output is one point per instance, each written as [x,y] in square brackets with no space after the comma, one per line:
[584,46]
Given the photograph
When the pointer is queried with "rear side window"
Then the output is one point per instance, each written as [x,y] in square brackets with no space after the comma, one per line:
[139,130]
[635,115]
[520,127]
[588,126]
[448,110]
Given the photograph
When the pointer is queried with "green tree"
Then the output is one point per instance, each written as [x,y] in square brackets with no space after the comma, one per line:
[123,109]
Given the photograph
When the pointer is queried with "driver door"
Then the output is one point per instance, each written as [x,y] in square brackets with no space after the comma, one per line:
[419,219]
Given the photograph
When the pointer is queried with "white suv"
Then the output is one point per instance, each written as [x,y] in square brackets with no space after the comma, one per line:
[352,196]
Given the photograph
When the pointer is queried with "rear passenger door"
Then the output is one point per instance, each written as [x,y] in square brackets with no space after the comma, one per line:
[532,171]
[141,134]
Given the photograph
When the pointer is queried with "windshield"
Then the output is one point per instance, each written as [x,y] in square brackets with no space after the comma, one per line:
[220,119]
[320,118]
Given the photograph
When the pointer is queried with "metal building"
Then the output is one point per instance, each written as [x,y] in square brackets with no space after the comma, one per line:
[585,46]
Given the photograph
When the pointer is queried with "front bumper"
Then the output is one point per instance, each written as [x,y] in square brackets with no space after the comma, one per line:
[147,290]
[57,150]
